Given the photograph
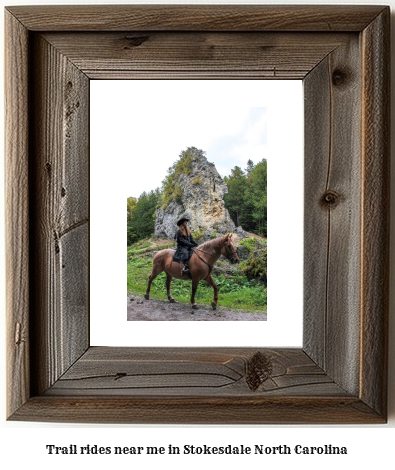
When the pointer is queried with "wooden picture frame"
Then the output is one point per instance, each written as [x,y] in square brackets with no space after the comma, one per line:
[340,374]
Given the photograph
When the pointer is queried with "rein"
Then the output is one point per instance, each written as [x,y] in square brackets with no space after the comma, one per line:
[205,262]
[210,254]
[205,252]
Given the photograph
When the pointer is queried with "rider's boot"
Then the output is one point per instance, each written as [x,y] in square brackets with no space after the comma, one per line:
[185,269]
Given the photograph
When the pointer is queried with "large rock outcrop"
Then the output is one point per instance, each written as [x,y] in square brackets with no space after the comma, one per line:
[202,201]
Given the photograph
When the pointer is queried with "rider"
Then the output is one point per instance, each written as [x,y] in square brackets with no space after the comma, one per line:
[185,243]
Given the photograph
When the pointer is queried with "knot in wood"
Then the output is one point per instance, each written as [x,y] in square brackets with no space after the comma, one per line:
[330,199]
[120,375]
[135,41]
[259,369]
[339,77]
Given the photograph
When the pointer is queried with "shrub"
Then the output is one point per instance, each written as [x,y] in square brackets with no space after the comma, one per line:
[198,180]
[198,235]
[248,243]
[255,266]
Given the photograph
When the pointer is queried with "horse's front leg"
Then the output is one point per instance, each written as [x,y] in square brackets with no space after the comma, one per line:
[212,283]
[194,288]
[168,282]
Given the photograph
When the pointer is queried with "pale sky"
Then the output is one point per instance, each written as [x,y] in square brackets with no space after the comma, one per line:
[229,136]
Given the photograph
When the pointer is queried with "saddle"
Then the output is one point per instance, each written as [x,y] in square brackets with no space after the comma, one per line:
[177,260]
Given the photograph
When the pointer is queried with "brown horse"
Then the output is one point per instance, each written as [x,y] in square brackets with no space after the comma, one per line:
[200,266]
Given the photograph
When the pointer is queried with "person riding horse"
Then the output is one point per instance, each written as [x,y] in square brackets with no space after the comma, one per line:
[185,243]
[202,264]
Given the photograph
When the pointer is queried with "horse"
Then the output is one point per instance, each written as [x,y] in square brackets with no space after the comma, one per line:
[200,264]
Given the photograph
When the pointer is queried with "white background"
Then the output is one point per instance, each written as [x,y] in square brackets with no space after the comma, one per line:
[113,179]
[23,444]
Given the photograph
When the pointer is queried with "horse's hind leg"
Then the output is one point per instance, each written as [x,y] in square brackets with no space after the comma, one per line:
[168,282]
[156,270]
[212,283]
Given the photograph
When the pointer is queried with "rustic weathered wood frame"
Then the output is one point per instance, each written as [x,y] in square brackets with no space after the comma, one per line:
[340,373]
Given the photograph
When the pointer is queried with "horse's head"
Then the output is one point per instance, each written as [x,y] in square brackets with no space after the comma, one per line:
[228,250]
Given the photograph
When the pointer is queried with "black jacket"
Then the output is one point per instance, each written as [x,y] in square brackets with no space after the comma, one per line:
[184,245]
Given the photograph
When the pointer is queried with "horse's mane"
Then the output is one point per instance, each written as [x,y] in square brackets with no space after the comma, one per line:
[211,243]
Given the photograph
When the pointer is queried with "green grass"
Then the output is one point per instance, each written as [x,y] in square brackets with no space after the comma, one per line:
[136,249]
[236,292]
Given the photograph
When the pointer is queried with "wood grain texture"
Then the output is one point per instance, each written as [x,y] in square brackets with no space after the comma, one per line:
[332,214]
[60,209]
[196,17]
[194,372]
[375,212]
[339,376]
[17,212]
[317,113]
[187,55]
[198,410]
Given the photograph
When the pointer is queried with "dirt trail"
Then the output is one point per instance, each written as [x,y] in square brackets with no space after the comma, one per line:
[140,309]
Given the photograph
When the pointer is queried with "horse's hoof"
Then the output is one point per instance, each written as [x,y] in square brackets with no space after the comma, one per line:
[173,301]
[214,305]
[146,296]
[195,307]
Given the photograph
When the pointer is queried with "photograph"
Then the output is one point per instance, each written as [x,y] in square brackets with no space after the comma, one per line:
[205,232]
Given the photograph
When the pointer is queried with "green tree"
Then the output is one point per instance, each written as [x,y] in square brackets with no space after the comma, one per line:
[131,233]
[250,167]
[142,223]
[246,219]
[247,197]
[257,194]
[132,236]
[132,202]
[234,200]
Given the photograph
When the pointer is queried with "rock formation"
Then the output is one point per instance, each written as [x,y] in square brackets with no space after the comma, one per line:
[200,199]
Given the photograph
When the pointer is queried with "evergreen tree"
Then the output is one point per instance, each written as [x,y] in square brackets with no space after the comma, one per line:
[142,222]
[247,197]
[234,200]
[258,194]
[131,233]
[250,166]
[132,236]
[247,220]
